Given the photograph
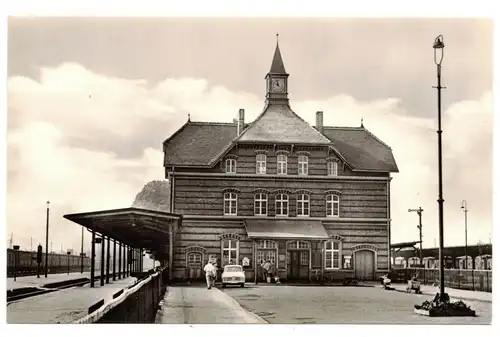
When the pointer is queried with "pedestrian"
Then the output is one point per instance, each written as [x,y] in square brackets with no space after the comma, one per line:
[263,270]
[266,266]
[209,274]
[215,274]
[270,271]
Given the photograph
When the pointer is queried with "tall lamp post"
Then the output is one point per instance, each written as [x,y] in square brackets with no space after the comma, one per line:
[47,241]
[464,208]
[419,226]
[438,59]
[81,255]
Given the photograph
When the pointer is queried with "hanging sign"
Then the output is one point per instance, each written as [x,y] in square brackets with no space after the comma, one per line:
[245,262]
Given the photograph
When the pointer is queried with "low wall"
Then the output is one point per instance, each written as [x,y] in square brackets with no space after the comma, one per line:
[135,304]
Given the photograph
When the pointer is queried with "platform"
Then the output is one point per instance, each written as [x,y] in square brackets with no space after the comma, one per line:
[198,305]
[63,306]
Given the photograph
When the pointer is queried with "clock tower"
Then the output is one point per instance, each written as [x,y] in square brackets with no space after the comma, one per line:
[277,81]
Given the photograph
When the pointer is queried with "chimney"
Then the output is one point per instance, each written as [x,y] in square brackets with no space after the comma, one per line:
[241,121]
[319,121]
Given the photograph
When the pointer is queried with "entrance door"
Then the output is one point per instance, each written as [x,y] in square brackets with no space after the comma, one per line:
[194,266]
[298,264]
[364,265]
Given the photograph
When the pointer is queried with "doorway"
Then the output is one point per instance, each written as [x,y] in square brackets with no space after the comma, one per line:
[364,265]
[194,266]
[298,264]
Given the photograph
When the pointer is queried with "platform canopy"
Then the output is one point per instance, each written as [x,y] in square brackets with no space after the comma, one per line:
[286,229]
[135,227]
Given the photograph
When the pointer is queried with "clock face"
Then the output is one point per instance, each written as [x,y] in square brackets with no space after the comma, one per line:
[278,84]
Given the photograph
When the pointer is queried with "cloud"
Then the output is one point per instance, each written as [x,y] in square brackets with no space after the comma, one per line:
[86,141]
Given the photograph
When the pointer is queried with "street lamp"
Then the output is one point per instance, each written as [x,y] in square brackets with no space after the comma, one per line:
[438,59]
[464,208]
[81,255]
[47,242]
[419,226]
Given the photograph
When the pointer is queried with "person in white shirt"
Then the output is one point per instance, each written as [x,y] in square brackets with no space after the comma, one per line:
[209,274]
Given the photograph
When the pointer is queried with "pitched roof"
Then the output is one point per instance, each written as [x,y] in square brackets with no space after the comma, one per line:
[279,124]
[277,66]
[361,149]
[198,143]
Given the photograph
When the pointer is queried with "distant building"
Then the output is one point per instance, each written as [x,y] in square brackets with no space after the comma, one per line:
[308,198]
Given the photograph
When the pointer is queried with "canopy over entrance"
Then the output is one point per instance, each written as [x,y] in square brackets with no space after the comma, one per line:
[286,229]
[135,227]
[403,245]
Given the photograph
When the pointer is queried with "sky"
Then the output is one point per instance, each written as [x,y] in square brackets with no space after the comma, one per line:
[90,101]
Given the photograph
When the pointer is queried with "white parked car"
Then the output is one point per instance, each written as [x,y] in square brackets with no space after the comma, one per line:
[233,275]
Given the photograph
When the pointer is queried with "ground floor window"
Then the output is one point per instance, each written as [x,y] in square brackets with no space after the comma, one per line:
[332,255]
[266,255]
[230,251]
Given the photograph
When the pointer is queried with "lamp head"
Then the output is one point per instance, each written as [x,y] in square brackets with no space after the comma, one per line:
[438,47]
[438,43]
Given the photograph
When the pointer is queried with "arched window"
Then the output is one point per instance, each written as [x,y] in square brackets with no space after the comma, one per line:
[303,165]
[332,205]
[282,205]
[230,203]
[303,205]
[332,168]
[260,204]
[282,164]
[332,255]
[261,163]
[230,165]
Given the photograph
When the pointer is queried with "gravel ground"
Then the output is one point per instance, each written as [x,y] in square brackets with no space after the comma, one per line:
[344,305]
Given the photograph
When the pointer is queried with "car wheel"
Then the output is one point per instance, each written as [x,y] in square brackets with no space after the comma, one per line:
[223,285]
[242,285]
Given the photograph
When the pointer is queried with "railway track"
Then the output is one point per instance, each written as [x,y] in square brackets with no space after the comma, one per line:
[22,293]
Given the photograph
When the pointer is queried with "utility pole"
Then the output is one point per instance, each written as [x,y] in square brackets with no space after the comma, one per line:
[47,242]
[419,212]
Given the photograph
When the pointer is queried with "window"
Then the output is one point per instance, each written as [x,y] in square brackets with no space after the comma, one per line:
[265,255]
[260,204]
[332,205]
[230,203]
[332,168]
[266,244]
[230,165]
[332,255]
[303,165]
[194,259]
[261,164]
[282,205]
[303,205]
[230,251]
[282,161]
[297,245]
[304,258]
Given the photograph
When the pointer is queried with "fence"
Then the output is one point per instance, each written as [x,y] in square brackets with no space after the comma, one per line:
[136,304]
[467,279]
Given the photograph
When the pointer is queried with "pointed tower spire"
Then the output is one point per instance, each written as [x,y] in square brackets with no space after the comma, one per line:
[277,67]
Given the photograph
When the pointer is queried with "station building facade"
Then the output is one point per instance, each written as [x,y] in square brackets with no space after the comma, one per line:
[315,200]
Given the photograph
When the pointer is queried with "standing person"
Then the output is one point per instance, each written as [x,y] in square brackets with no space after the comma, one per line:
[209,274]
[266,266]
[270,271]
[215,274]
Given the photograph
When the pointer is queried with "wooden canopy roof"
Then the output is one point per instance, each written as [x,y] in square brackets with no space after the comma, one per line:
[135,227]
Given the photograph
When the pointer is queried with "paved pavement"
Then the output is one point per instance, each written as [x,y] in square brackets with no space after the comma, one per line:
[63,306]
[344,305]
[197,305]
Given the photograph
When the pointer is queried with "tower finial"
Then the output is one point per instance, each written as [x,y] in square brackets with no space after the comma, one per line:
[189,117]
[277,38]
[362,122]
